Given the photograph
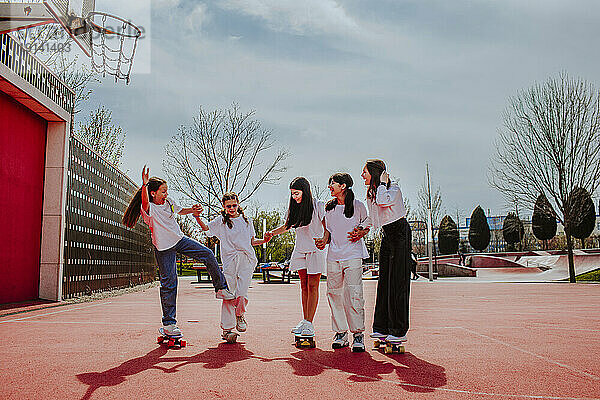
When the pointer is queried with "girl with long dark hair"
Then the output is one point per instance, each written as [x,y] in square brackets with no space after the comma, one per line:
[305,214]
[151,201]
[236,237]
[343,214]
[387,211]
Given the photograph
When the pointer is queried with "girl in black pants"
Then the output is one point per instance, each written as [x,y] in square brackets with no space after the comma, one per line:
[387,211]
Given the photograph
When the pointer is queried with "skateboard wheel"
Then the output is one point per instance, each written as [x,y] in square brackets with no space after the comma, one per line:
[159,339]
[171,343]
[183,343]
[376,344]
[388,350]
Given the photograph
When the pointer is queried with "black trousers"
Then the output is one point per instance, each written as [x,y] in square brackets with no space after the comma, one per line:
[393,287]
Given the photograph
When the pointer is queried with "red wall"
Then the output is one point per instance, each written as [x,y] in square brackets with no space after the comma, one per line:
[22,149]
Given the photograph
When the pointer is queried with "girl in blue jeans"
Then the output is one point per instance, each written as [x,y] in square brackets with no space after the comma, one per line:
[158,211]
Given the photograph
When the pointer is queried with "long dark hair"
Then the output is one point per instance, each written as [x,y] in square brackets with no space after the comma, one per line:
[226,218]
[132,214]
[300,214]
[343,178]
[375,168]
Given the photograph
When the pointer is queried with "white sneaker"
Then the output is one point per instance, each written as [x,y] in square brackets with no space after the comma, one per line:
[224,294]
[358,344]
[298,328]
[308,329]
[377,335]
[241,324]
[171,330]
[340,340]
[396,339]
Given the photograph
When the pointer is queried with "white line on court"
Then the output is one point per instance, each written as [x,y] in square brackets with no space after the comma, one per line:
[51,313]
[582,373]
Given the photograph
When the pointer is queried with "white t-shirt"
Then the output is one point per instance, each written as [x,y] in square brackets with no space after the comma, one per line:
[161,220]
[340,247]
[305,234]
[234,240]
[388,207]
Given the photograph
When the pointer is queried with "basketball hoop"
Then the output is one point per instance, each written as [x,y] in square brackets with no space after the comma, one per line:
[115,60]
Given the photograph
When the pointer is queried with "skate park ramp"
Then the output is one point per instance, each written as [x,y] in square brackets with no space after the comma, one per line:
[538,266]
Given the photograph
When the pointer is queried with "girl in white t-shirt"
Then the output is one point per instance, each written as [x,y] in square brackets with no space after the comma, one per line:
[305,215]
[236,236]
[344,262]
[158,211]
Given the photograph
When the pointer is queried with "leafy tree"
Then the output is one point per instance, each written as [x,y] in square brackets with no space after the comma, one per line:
[513,229]
[281,246]
[582,213]
[479,230]
[550,143]
[448,236]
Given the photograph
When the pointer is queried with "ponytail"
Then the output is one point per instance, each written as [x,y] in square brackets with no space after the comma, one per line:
[133,211]
[343,178]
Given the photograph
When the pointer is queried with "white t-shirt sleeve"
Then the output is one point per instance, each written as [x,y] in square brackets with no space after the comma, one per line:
[215,227]
[145,215]
[320,210]
[251,227]
[362,214]
[386,197]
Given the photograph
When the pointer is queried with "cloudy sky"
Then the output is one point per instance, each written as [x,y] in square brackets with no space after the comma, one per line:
[337,82]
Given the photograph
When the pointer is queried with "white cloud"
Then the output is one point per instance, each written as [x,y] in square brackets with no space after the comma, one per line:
[306,17]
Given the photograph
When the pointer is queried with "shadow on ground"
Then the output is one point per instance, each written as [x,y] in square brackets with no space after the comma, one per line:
[216,357]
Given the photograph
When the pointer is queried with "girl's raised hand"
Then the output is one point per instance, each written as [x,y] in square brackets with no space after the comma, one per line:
[145,175]
[268,236]
[197,210]
[385,177]
[320,243]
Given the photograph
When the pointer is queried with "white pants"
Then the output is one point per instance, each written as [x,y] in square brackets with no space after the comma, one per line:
[345,295]
[238,273]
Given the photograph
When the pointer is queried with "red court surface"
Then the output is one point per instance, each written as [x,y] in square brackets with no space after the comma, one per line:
[468,340]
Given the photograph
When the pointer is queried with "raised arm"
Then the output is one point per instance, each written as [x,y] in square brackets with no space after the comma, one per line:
[145,196]
[197,211]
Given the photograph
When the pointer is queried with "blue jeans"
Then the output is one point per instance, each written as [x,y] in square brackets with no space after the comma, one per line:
[168,273]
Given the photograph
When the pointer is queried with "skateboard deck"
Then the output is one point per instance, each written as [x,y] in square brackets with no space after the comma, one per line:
[389,347]
[230,337]
[304,342]
[170,340]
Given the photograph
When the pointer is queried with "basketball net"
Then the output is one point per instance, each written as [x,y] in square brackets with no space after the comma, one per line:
[113,49]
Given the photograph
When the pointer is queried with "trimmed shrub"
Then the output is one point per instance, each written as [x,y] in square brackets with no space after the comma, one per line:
[543,221]
[448,236]
[479,230]
[582,215]
[512,229]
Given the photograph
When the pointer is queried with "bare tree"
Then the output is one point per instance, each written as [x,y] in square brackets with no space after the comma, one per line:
[423,202]
[102,135]
[550,143]
[222,151]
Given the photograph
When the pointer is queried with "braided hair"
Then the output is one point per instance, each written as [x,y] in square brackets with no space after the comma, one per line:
[226,217]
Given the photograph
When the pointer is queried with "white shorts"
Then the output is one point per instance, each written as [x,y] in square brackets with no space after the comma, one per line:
[313,262]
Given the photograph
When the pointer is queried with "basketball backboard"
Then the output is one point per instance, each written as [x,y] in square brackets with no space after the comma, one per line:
[71,15]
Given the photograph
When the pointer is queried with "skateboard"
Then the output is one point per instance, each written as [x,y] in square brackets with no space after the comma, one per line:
[304,341]
[389,347]
[230,337]
[171,341]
